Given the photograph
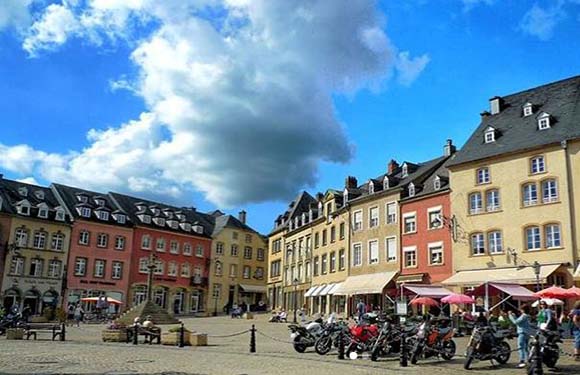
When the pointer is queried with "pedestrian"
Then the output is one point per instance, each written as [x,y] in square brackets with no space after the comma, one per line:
[575,316]
[360,310]
[302,313]
[546,319]
[70,313]
[523,330]
[78,314]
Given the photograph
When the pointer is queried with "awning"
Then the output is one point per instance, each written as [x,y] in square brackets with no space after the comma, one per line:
[577,273]
[522,275]
[317,291]
[326,290]
[253,288]
[334,288]
[516,291]
[416,278]
[311,290]
[373,283]
[433,291]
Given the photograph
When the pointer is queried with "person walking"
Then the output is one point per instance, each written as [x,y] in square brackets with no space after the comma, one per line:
[545,316]
[522,324]
[78,314]
[575,316]
[360,310]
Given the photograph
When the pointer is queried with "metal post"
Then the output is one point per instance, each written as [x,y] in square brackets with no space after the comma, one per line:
[341,345]
[135,334]
[215,313]
[537,273]
[295,305]
[63,332]
[181,336]
[253,339]
[403,351]
[151,268]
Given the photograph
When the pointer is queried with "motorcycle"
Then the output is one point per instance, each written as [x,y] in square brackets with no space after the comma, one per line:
[389,340]
[305,337]
[12,320]
[434,338]
[330,337]
[486,343]
[549,349]
[362,336]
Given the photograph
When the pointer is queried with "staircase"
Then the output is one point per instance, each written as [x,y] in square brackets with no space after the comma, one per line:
[145,309]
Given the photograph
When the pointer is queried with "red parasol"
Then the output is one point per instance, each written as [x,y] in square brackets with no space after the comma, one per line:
[555,292]
[427,301]
[574,290]
[457,299]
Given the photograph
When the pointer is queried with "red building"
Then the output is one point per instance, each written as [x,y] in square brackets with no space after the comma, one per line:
[426,255]
[100,249]
[180,240]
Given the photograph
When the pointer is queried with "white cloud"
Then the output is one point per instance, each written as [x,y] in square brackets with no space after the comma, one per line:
[239,108]
[15,13]
[28,180]
[540,22]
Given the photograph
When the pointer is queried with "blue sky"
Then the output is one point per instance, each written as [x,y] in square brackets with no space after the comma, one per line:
[118,103]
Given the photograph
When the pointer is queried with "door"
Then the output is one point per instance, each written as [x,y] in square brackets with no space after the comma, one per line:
[194,303]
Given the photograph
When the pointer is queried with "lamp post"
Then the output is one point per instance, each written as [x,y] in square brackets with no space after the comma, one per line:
[151,266]
[218,266]
[295,283]
[536,267]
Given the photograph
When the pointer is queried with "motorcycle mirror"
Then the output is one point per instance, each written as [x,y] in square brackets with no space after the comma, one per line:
[353,355]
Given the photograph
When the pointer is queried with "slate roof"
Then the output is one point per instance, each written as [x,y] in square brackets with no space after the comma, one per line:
[69,195]
[35,195]
[300,205]
[425,185]
[229,221]
[560,99]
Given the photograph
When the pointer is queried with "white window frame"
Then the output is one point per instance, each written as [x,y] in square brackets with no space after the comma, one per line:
[60,214]
[116,270]
[357,247]
[174,247]
[538,163]
[102,240]
[188,249]
[146,242]
[489,136]
[411,189]
[100,265]
[437,183]
[528,109]
[480,250]
[539,238]
[482,176]
[374,221]
[371,260]
[172,268]
[492,243]
[406,216]
[477,209]
[492,207]
[119,243]
[435,245]
[550,198]
[247,272]
[434,210]
[85,212]
[143,264]
[394,218]
[80,266]
[527,196]
[407,250]
[160,241]
[357,225]
[395,250]
[549,236]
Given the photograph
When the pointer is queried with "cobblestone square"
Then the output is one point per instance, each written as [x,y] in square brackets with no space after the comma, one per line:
[85,353]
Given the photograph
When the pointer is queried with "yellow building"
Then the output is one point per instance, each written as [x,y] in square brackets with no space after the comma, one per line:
[514,187]
[239,260]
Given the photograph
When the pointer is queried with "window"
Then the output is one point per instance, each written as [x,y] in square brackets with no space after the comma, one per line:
[477,244]
[549,191]
[160,245]
[57,242]
[437,183]
[341,260]
[528,109]
[260,254]
[341,231]
[17,266]
[404,170]
[435,218]
[234,235]
[117,270]
[80,266]
[492,200]
[121,219]
[544,121]
[373,217]
[537,165]
[143,265]
[24,209]
[247,272]
[332,234]
[54,267]
[145,218]
[216,291]
[495,243]
[247,252]
[218,268]
[371,187]
[248,238]
[39,240]
[85,212]
[21,237]
[411,189]
[233,270]
[530,192]
[410,223]
[185,270]
[316,240]
[102,240]
[475,203]
[356,254]
[489,136]
[43,212]
[103,215]
[373,252]
[99,268]
[119,243]
[410,256]
[219,248]
[391,249]
[199,251]
[234,250]
[332,266]
[533,240]
[483,176]
[316,266]
[385,183]
[172,269]
[146,242]
[324,237]
[259,274]
[552,233]
[323,264]
[357,220]
[59,214]
[159,267]
[36,266]
[435,253]
[84,237]
[174,247]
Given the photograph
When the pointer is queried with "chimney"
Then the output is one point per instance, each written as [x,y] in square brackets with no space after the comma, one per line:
[350,182]
[449,148]
[242,216]
[495,104]
[392,166]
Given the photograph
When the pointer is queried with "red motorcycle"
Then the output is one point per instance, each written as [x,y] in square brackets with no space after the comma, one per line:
[362,337]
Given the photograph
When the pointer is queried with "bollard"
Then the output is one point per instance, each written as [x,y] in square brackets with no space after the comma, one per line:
[181,336]
[63,332]
[135,334]
[403,351]
[535,367]
[253,339]
[341,345]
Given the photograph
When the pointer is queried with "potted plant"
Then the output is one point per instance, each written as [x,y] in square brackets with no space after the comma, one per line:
[171,337]
[115,332]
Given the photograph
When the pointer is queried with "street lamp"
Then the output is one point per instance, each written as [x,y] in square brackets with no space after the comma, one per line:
[536,267]
[295,283]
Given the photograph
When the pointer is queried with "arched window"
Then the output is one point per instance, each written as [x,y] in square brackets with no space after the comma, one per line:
[533,238]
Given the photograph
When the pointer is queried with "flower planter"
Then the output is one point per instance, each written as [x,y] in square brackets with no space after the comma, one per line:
[198,339]
[172,338]
[114,335]
[14,334]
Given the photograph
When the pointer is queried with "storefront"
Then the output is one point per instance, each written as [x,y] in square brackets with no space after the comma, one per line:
[369,288]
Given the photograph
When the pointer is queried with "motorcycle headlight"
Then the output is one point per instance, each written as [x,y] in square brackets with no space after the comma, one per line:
[293,335]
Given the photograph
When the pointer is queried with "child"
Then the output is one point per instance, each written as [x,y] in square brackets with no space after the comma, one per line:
[523,327]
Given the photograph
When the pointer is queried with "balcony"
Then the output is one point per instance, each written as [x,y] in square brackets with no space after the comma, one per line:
[199,281]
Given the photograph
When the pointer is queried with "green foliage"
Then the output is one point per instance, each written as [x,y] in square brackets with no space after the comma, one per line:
[60,315]
[177,329]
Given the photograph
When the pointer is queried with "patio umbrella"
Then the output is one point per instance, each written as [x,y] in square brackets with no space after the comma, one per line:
[427,301]
[95,299]
[549,302]
[457,299]
[555,292]
[574,290]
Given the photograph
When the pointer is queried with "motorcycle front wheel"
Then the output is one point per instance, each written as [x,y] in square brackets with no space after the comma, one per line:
[468,359]
[449,349]
[299,344]
[504,352]
[550,358]
[323,345]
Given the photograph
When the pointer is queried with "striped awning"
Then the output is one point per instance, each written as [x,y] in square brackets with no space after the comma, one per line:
[326,290]
[311,290]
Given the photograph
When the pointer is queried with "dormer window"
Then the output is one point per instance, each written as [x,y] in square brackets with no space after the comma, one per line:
[489,135]
[159,221]
[23,191]
[437,183]
[83,198]
[103,215]
[371,187]
[528,109]
[155,210]
[304,218]
[186,227]
[544,121]
[145,219]
[24,209]
[141,207]
[345,195]
[59,214]
[173,224]
[405,170]
[100,202]
[411,189]
[39,194]
[85,212]
[43,212]
[385,183]
[121,219]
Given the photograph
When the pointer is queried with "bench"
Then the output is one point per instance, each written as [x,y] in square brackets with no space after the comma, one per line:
[55,329]
[150,334]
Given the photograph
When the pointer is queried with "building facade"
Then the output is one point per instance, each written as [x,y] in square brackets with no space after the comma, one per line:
[36,247]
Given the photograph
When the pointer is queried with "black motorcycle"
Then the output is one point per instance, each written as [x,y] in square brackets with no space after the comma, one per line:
[434,339]
[549,349]
[389,340]
[330,337]
[305,337]
[486,343]
[12,320]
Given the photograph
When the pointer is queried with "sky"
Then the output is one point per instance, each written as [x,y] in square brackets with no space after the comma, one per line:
[242,104]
